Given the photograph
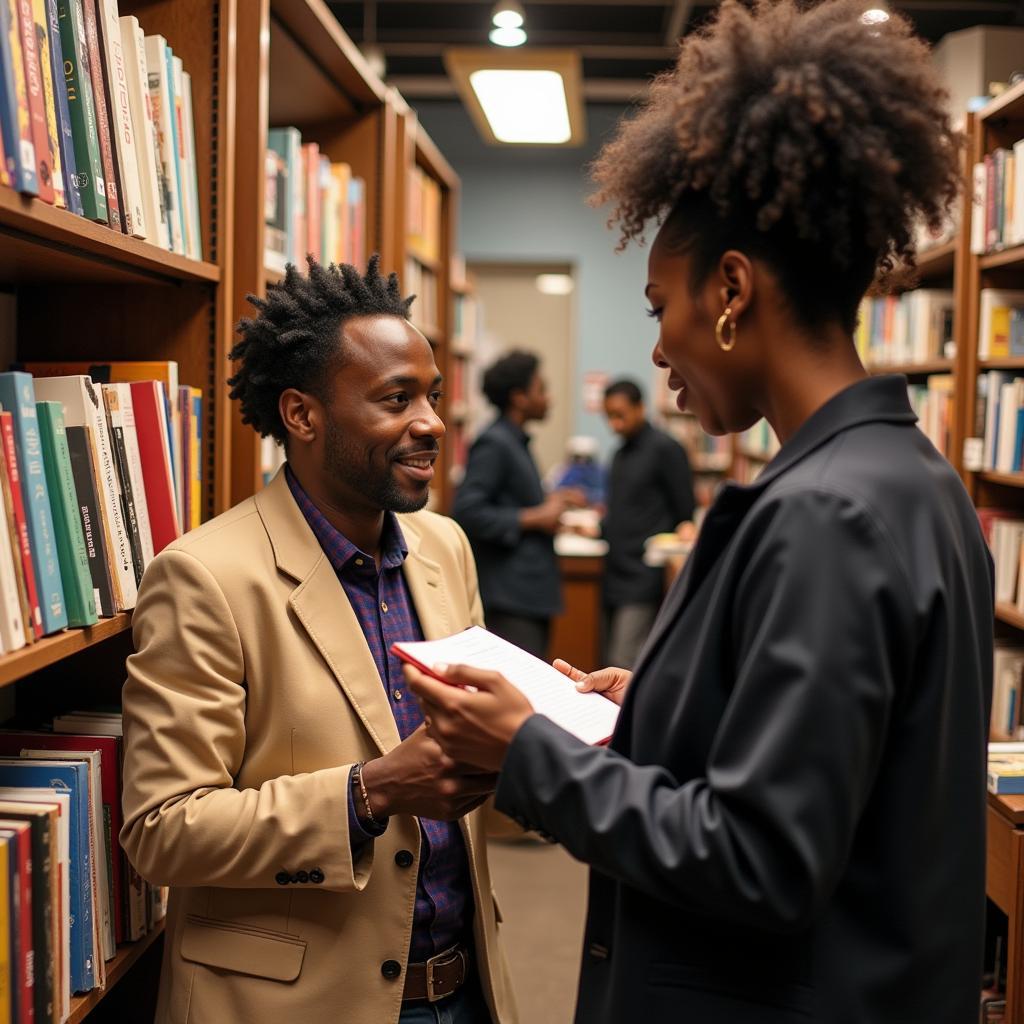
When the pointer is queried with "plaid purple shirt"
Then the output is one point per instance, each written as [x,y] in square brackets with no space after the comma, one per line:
[384,608]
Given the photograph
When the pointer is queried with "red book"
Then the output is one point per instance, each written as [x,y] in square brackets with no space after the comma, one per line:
[23,984]
[151,428]
[10,459]
[36,99]
[13,743]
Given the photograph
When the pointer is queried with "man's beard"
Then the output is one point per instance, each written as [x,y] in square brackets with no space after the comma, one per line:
[345,461]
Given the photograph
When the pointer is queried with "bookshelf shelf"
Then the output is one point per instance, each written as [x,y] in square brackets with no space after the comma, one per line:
[1008,615]
[52,649]
[1003,479]
[42,244]
[126,956]
[1002,363]
[913,369]
[1009,106]
[1012,258]
[937,262]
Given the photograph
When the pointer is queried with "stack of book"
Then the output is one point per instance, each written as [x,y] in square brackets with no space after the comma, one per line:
[96,118]
[997,217]
[912,328]
[68,895]
[99,471]
[1000,323]
[311,205]
[933,403]
[1006,768]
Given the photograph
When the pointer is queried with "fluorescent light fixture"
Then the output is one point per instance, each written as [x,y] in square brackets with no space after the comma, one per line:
[554,284]
[507,36]
[523,105]
[521,97]
[508,14]
[875,16]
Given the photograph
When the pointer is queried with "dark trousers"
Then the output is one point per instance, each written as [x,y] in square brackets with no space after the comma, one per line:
[529,634]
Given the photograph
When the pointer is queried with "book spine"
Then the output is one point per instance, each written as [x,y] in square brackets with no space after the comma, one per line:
[197,458]
[193,166]
[74,562]
[156,77]
[121,128]
[16,394]
[41,29]
[19,153]
[42,921]
[14,539]
[26,973]
[7,908]
[156,468]
[36,100]
[12,601]
[177,177]
[21,520]
[115,426]
[91,518]
[131,444]
[102,105]
[82,110]
[65,140]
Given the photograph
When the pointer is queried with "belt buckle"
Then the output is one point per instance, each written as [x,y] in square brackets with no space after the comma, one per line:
[446,956]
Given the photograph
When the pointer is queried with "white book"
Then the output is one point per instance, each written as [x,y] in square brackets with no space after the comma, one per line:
[192,174]
[133,43]
[1017,227]
[12,622]
[995,380]
[83,407]
[159,95]
[1008,405]
[979,189]
[121,124]
[184,192]
[588,716]
[131,443]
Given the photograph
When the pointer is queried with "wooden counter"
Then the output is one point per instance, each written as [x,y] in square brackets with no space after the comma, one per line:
[1004,885]
[576,633]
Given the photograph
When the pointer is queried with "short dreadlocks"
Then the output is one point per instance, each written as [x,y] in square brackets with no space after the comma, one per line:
[295,341]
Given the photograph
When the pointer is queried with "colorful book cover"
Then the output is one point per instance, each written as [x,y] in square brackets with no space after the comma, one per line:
[83,461]
[19,555]
[177,171]
[82,111]
[103,124]
[17,395]
[13,479]
[65,140]
[19,148]
[287,143]
[131,443]
[197,457]
[13,599]
[42,33]
[19,834]
[151,427]
[74,562]
[73,778]
[156,68]
[36,99]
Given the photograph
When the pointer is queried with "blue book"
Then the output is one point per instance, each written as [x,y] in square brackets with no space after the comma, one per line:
[19,153]
[179,184]
[1018,442]
[1017,332]
[18,396]
[73,778]
[287,143]
[72,194]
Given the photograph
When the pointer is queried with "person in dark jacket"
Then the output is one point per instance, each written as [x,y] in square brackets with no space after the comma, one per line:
[509,520]
[788,825]
[650,491]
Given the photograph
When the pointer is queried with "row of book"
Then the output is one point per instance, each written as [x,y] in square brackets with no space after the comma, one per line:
[911,328]
[311,205]
[999,421]
[1004,531]
[423,216]
[422,282]
[1000,323]
[933,402]
[997,211]
[88,480]
[68,894]
[96,118]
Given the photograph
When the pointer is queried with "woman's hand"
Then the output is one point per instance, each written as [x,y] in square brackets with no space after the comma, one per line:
[472,726]
[609,682]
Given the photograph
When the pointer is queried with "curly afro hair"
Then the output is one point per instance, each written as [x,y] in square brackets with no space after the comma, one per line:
[799,134]
[295,341]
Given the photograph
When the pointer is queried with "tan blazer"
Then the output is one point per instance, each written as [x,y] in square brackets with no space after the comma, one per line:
[251,695]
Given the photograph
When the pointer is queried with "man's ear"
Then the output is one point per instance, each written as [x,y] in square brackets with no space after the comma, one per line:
[302,415]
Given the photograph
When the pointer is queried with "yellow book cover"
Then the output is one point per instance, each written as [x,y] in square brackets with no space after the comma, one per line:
[52,128]
[5,934]
[342,173]
[999,342]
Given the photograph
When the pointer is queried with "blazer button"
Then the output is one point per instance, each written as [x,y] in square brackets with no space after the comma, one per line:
[391,969]
[302,877]
[282,878]
[404,859]
[316,876]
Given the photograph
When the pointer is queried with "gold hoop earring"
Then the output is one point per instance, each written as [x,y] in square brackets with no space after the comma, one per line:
[723,344]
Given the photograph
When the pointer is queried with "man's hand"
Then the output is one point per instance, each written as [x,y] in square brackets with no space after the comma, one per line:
[474,726]
[609,682]
[418,778]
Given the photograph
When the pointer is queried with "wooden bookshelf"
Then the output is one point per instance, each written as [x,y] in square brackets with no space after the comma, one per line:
[1011,259]
[1009,615]
[914,369]
[937,262]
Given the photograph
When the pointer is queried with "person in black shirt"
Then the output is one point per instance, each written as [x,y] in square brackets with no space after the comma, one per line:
[650,490]
[509,520]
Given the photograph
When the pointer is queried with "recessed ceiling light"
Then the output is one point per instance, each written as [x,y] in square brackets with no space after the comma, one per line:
[508,14]
[554,284]
[507,36]
[875,16]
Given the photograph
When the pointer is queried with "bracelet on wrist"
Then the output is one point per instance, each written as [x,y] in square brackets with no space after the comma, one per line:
[362,797]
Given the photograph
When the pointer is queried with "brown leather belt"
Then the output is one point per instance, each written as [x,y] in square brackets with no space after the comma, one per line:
[439,977]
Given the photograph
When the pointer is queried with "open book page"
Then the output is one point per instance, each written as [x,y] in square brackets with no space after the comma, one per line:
[588,716]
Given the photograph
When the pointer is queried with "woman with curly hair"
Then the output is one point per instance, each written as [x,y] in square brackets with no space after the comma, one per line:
[788,824]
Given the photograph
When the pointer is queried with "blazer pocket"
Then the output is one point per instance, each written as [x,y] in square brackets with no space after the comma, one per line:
[232,947]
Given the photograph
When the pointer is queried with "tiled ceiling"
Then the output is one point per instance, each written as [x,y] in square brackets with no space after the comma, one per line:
[621,44]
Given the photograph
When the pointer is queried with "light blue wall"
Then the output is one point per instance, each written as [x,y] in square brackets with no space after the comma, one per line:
[529,206]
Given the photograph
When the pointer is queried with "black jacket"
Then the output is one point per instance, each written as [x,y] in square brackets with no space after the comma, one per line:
[650,490]
[789,824]
[518,569]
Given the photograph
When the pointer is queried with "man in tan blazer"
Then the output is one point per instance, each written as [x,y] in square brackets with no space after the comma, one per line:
[325,859]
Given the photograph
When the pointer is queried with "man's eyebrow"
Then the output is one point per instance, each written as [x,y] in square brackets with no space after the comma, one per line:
[405,381]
